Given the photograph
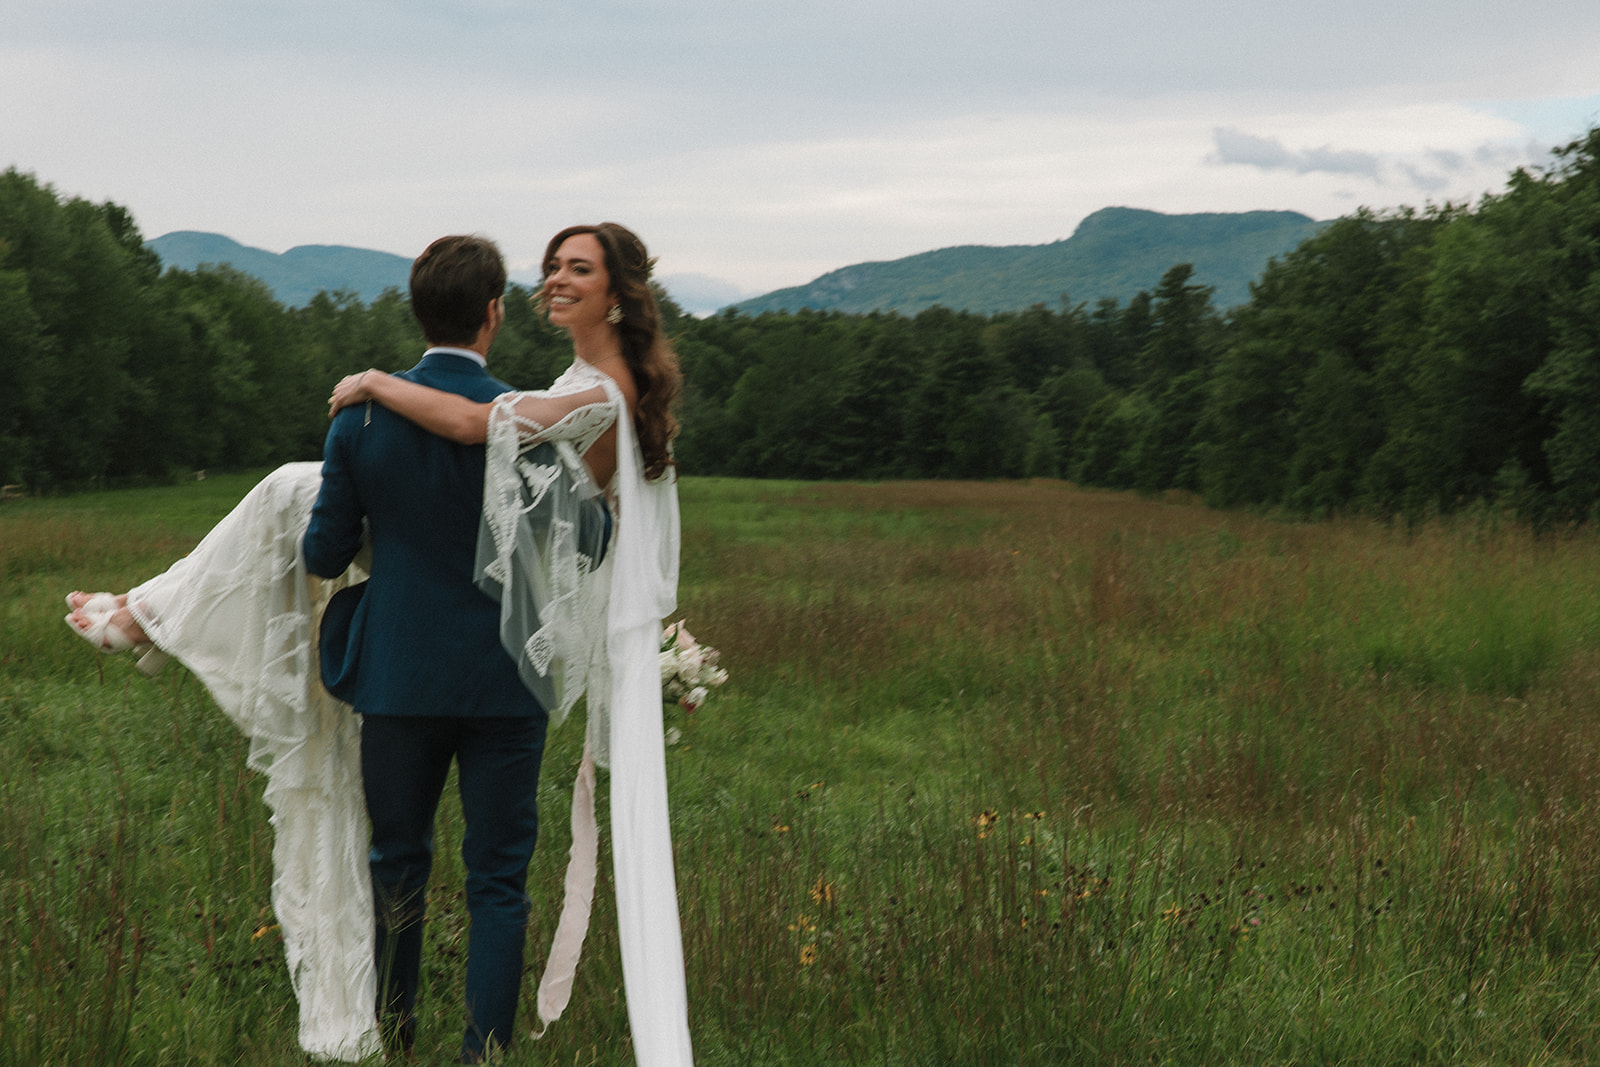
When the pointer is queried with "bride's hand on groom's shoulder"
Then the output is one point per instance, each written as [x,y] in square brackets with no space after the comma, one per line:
[351,389]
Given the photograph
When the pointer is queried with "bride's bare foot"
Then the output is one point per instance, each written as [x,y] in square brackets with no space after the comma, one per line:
[109,631]
[123,620]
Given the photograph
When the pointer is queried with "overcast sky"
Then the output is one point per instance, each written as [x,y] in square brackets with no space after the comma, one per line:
[766,143]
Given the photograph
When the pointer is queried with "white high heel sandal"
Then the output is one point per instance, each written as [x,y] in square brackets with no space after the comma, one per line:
[108,637]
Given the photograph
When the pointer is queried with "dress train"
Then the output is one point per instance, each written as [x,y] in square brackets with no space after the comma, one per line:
[239,611]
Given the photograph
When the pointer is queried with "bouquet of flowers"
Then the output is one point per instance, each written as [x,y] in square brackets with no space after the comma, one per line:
[689,669]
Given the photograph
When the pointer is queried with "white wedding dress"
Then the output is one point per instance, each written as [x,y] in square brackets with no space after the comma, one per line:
[240,611]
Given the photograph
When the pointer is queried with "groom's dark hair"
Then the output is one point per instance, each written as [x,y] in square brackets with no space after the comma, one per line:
[452,283]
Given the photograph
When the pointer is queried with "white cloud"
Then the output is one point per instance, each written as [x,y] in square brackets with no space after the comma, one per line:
[1451,152]
[1268,153]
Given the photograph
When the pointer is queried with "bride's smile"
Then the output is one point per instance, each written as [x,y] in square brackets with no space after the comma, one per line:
[577,287]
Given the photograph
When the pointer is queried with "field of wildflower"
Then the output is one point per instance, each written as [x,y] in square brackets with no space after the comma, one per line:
[1001,773]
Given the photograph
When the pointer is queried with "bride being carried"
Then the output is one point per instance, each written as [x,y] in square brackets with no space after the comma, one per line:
[562,511]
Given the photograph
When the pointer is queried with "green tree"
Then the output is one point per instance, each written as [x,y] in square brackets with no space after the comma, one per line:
[1113,336]
[1164,450]
[1338,431]
[233,369]
[1341,301]
[1042,459]
[1182,329]
[1568,382]
[1102,449]
[26,352]
[1031,344]
[871,402]
[1066,398]
[961,410]
[784,399]
[84,292]
[1247,430]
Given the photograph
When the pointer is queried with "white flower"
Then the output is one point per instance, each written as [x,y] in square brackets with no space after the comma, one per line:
[688,668]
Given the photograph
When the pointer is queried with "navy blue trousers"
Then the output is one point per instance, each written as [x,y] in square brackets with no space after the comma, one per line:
[404,764]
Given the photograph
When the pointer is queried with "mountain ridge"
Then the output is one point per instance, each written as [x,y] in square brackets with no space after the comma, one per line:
[1114,252]
[294,276]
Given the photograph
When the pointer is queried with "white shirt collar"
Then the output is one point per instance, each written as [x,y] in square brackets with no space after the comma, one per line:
[454,351]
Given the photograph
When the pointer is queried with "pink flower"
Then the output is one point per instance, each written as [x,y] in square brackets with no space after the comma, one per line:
[686,639]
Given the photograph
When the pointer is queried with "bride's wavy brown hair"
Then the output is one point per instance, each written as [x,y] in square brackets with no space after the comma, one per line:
[648,352]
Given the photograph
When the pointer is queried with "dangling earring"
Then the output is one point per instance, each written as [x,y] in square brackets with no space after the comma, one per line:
[614,314]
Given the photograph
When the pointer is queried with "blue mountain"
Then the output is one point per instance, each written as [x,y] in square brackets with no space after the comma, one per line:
[1113,253]
[294,276]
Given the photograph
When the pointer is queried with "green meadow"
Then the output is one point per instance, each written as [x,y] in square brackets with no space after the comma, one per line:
[1005,773]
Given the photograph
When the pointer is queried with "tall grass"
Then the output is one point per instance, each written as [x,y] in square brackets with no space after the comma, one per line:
[1005,773]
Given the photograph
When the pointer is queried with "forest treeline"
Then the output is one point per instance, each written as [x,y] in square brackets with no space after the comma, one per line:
[1397,362]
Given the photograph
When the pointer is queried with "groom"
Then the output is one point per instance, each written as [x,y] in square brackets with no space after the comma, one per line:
[433,682]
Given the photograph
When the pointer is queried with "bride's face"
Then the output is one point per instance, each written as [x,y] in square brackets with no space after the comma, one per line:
[577,288]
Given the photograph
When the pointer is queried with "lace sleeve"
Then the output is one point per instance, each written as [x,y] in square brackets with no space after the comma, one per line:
[544,536]
[577,417]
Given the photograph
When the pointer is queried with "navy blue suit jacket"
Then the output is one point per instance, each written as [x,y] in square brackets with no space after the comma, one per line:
[426,637]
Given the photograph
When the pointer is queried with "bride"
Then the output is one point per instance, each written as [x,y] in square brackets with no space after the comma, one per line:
[240,612]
